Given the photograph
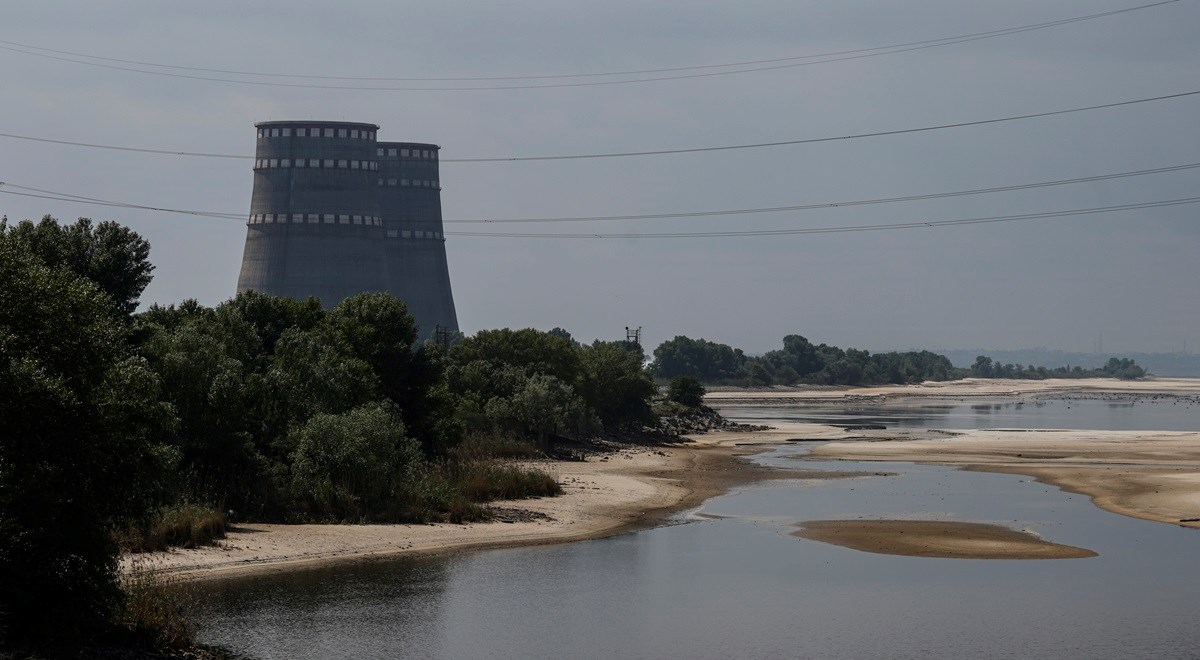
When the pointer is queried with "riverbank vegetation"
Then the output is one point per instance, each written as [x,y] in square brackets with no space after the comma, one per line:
[799,362]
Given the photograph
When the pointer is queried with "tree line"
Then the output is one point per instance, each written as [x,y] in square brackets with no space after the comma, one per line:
[800,362]
[1122,368]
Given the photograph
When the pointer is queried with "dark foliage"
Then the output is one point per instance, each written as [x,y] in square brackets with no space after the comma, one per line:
[80,452]
[686,390]
[616,385]
[706,360]
[799,361]
[1123,368]
[112,257]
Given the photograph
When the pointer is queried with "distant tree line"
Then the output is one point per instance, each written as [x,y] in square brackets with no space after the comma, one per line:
[1177,364]
[799,362]
[1123,368]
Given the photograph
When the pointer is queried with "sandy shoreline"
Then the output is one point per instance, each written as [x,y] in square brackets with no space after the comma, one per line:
[1153,475]
[634,488]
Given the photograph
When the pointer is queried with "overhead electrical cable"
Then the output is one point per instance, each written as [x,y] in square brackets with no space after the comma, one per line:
[658,152]
[113,147]
[40,193]
[826,205]
[922,224]
[79,199]
[782,143]
[30,49]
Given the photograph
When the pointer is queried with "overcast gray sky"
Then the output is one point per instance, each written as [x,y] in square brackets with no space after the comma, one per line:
[1059,283]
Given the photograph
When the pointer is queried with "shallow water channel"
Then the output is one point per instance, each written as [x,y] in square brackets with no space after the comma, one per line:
[1124,412]
[728,580]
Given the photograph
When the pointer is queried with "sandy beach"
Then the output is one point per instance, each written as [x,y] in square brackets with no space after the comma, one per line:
[1153,475]
[633,488]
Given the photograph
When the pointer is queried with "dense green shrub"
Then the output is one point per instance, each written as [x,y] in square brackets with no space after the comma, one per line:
[350,465]
[616,385]
[541,407]
[686,390]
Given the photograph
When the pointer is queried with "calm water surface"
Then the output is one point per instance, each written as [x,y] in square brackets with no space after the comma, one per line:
[729,581]
[1141,413]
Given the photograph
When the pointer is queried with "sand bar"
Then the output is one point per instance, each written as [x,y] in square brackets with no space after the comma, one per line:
[965,388]
[937,538]
[1154,475]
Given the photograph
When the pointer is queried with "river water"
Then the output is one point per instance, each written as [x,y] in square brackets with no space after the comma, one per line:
[728,580]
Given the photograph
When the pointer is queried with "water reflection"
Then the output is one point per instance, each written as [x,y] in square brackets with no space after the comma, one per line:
[1151,414]
[732,582]
[739,586]
[377,610]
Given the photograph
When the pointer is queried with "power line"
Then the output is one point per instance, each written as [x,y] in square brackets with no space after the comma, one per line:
[42,193]
[920,224]
[832,56]
[825,205]
[658,152]
[39,193]
[853,228]
[781,143]
[143,150]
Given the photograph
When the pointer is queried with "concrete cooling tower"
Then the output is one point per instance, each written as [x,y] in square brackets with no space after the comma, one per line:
[335,212]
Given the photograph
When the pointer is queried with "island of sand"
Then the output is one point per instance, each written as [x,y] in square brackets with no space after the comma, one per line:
[945,539]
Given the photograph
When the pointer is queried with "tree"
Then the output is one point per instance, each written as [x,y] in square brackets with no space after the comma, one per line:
[982,366]
[113,257]
[532,351]
[801,355]
[271,316]
[616,386]
[313,372]
[541,407]
[686,390]
[379,330]
[1123,368]
[490,375]
[210,364]
[351,465]
[706,360]
[80,452]
[561,332]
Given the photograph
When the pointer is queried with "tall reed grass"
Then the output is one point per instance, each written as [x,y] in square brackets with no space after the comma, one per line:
[181,526]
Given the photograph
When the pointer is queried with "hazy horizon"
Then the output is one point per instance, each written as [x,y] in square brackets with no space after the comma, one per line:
[1062,283]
